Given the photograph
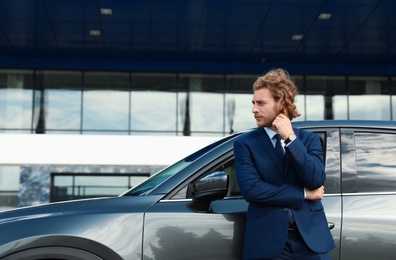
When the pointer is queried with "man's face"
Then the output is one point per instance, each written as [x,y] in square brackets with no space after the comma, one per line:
[265,109]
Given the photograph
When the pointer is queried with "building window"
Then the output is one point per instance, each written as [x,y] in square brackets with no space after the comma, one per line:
[62,92]
[369,98]
[326,97]
[202,106]
[16,100]
[71,186]
[393,98]
[238,103]
[153,104]
[106,102]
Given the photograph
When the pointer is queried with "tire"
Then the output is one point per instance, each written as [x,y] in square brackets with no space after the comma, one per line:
[53,253]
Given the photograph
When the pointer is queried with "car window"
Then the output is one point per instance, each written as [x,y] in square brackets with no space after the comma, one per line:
[331,155]
[376,164]
[227,166]
[149,184]
[328,139]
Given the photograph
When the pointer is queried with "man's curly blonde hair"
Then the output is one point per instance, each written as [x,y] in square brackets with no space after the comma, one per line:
[282,87]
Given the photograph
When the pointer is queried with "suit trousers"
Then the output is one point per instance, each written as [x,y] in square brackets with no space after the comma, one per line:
[297,249]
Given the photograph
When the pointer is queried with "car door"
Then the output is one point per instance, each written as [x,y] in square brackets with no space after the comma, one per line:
[369,194]
[173,229]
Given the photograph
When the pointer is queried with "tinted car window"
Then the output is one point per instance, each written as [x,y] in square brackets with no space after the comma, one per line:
[227,166]
[376,163]
[330,143]
[152,182]
[331,154]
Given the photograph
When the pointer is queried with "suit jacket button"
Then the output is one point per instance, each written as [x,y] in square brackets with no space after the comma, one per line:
[285,209]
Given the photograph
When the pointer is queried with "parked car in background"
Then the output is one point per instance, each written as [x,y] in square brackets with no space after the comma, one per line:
[194,210]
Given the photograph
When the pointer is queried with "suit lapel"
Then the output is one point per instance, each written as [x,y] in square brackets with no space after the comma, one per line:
[265,141]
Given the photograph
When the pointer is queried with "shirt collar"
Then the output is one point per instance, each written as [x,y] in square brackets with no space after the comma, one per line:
[270,132]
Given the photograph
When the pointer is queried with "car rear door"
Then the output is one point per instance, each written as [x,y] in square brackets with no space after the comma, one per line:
[369,194]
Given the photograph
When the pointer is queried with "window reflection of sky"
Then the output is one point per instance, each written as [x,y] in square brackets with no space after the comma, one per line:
[394,105]
[369,107]
[106,110]
[155,111]
[207,111]
[63,109]
[375,155]
[314,107]
[242,115]
[340,107]
[15,108]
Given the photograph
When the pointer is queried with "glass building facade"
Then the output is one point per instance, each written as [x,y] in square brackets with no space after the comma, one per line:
[138,103]
[166,104]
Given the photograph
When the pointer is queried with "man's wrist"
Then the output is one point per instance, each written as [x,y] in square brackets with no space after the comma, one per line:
[290,139]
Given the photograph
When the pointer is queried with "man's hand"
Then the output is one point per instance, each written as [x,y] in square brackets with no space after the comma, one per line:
[314,194]
[282,126]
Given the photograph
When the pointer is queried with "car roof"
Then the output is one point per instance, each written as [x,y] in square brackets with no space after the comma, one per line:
[386,124]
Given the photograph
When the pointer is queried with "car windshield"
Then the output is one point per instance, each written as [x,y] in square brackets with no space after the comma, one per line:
[146,186]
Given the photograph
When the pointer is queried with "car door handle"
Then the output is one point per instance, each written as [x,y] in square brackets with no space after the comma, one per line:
[331,225]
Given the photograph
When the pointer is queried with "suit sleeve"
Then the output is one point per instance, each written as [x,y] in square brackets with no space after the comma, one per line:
[255,190]
[307,158]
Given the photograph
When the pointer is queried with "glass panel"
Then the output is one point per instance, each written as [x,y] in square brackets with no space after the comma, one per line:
[106,101]
[331,143]
[16,131]
[369,90]
[393,92]
[76,186]
[100,185]
[379,108]
[300,98]
[153,110]
[9,186]
[207,112]
[314,107]
[183,118]
[238,105]
[204,103]
[105,132]
[16,99]
[240,83]
[333,90]
[62,132]
[340,107]
[63,180]
[62,98]
[62,188]
[153,102]
[239,114]
[300,103]
[376,168]
[299,82]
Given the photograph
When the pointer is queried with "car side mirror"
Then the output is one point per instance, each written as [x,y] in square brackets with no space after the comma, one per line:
[212,186]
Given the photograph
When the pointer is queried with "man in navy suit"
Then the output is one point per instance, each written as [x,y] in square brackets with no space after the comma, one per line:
[285,218]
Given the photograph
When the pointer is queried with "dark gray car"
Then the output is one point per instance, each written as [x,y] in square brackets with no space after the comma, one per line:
[193,209]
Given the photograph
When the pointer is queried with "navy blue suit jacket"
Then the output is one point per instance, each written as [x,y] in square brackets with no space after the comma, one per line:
[273,188]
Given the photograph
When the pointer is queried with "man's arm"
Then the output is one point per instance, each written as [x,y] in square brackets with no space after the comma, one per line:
[314,194]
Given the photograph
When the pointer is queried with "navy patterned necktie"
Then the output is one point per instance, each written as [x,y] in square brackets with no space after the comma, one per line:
[281,154]
[278,146]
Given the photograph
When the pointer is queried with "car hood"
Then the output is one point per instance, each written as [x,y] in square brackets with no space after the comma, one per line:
[96,205]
